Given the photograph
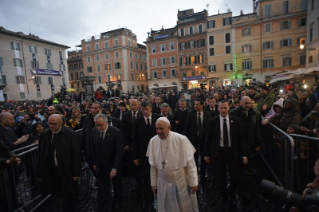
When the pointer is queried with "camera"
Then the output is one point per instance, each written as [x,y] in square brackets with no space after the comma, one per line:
[310,202]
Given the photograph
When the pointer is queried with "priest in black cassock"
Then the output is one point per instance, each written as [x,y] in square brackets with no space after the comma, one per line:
[181,117]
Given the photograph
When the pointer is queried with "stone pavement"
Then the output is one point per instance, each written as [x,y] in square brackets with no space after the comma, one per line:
[208,195]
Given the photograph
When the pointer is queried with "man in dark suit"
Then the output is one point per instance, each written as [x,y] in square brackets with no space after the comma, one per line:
[225,146]
[180,116]
[120,111]
[107,150]
[195,131]
[127,128]
[157,106]
[165,113]
[144,130]
[212,107]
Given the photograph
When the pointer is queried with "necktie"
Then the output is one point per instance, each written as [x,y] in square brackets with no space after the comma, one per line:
[134,116]
[101,137]
[225,133]
[52,155]
[148,123]
[199,126]
[121,115]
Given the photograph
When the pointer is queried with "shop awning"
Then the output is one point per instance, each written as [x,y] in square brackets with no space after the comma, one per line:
[291,74]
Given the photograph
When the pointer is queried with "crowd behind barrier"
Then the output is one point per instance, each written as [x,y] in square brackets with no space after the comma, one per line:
[288,116]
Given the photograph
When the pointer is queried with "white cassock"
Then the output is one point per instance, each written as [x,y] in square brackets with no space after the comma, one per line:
[174,172]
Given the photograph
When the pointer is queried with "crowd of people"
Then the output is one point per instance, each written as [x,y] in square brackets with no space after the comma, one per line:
[168,136]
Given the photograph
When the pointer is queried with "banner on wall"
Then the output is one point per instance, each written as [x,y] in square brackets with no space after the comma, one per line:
[46,72]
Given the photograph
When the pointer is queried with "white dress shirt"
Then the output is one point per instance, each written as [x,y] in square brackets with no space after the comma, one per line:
[150,118]
[104,132]
[221,143]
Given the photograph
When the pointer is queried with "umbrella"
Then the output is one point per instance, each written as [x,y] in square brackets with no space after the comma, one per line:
[70,89]
[123,96]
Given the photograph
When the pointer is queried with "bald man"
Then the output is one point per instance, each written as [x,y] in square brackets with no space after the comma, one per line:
[250,127]
[59,164]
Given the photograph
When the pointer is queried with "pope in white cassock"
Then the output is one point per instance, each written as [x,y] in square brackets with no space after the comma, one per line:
[173,169]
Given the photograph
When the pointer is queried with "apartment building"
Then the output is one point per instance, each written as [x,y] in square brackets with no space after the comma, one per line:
[115,56]
[268,40]
[75,65]
[31,68]
[312,44]
[162,59]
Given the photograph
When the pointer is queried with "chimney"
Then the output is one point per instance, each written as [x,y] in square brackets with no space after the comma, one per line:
[254,6]
[241,13]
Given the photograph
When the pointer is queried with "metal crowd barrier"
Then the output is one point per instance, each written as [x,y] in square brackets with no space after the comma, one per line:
[22,190]
[278,154]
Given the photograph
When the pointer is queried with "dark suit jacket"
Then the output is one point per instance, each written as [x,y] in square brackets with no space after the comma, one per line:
[191,127]
[212,141]
[127,126]
[117,113]
[213,113]
[142,136]
[115,122]
[172,121]
[108,154]
[156,109]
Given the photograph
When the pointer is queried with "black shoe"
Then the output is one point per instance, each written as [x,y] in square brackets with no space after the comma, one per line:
[137,187]
[226,205]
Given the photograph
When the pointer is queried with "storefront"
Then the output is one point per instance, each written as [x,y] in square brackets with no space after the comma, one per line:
[193,82]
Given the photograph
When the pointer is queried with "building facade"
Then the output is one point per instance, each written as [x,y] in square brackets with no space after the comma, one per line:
[162,59]
[31,68]
[312,44]
[75,66]
[116,57]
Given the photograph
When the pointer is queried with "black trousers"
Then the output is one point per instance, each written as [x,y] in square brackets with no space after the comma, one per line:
[199,146]
[226,158]
[148,194]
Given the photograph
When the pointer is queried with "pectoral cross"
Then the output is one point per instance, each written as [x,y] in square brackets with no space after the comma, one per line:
[163,163]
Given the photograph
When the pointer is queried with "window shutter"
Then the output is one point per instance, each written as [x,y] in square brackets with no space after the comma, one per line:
[189,44]
[14,63]
[272,63]
[204,42]
[198,43]
[289,42]
[35,50]
[30,49]
[207,24]
[250,65]
[180,46]
[225,67]
[37,64]
[181,61]
[186,60]
[272,44]
[198,58]
[203,59]
[289,61]
[223,21]
[12,46]
[22,80]
[243,32]
[288,24]
[298,41]
[17,79]
[243,48]
[283,7]
[249,30]
[189,60]
[230,20]
[213,23]
[250,47]
[231,66]
[243,65]
[195,59]
[281,42]
[1,61]
[264,45]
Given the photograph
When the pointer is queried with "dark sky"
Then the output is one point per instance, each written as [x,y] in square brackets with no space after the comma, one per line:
[69,21]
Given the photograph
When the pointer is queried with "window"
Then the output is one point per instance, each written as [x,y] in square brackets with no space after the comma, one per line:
[211,52]
[312,4]
[202,59]
[212,68]
[246,48]
[15,45]
[60,54]
[107,66]
[210,24]
[1,61]
[154,62]
[89,59]
[145,55]
[172,60]
[50,66]
[71,76]
[99,78]
[20,80]
[163,47]
[268,45]
[211,40]
[87,48]
[228,67]
[117,54]
[285,25]
[141,57]
[200,28]
[145,67]
[268,27]
[63,81]
[22,95]
[118,76]
[311,33]
[81,66]
[98,67]
[97,47]
[155,76]
[227,38]
[284,7]
[117,65]
[75,66]
[38,94]
[163,61]
[116,43]
[286,61]
[302,22]
[61,67]
[184,75]
[191,44]
[33,49]
[182,46]
[285,42]
[173,73]
[89,69]
[227,49]
[106,44]
[137,77]
[131,54]
[129,43]
[3,80]
[106,56]
[268,11]
[227,21]
[17,62]
[136,65]
[193,60]
[200,42]
[246,31]
[302,59]
[182,32]
[247,65]
[268,63]
[76,75]
[97,57]
[47,52]
[191,30]
[171,45]
[310,59]
[141,66]
[193,74]
[136,56]
[132,76]
[131,63]
[304,5]
[37,80]
[50,80]
[164,73]
[34,64]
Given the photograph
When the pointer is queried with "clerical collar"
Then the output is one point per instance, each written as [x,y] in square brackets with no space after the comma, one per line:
[182,109]
[166,137]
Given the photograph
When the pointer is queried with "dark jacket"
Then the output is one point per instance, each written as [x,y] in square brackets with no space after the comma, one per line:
[213,113]
[172,121]
[250,127]
[212,141]
[127,126]
[88,125]
[156,109]
[291,117]
[106,155]
[8,137]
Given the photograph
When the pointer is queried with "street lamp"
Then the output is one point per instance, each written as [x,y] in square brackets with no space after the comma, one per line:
[302,46]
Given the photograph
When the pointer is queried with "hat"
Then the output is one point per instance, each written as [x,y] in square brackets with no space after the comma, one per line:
[122,104]
[264,87]
[164,120]
[19,118]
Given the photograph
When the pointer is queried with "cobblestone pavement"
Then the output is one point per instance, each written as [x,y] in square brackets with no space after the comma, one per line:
[208,195]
